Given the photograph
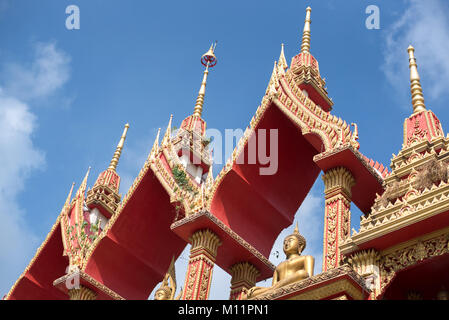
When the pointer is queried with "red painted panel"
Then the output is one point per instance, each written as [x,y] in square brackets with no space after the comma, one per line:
[258,207]
[48,266]
[140,244]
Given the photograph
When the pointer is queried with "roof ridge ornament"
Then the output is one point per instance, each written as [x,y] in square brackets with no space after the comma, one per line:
[118,151]
[167,135]
[155,147]
[415,83]
[209,61]
[83,185]
[69,196]
[305,45]
[282,63]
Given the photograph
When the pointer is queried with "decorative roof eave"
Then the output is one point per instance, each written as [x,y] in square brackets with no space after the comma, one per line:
[309,76]
[434,204]
[402,166]
[67,206]
[227,230]
[369,165]
[38,251]
[155,164]
[329,123]
[409,253]
[60,283]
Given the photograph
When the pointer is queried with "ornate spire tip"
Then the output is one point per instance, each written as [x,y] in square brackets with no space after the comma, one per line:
[118,150]
[305,46]
[415,83]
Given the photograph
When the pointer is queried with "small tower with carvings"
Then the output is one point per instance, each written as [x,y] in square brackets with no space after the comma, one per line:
[103,199]
[405,235]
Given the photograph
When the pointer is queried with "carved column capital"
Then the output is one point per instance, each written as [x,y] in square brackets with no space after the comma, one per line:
[205,240]
[82,293]
[203,252]
[338,178]
[244,277]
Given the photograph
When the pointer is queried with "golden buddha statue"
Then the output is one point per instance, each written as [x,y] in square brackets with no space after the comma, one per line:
[168,287]
[295,268]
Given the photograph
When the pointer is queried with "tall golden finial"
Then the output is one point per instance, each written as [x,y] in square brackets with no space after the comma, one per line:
[83,185]
[282,61]
[305,46]
[208,60]
[155,147]
[69,196]
[167,134]
[415,84]
[118,151]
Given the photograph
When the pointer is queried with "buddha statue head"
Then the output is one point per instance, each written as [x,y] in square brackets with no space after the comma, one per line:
[163,293]
[294,243]
[168,286]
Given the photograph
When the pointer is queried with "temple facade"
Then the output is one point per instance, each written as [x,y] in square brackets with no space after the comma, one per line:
[108,247]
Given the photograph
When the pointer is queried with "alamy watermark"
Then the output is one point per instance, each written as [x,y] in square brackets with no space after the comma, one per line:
[373,20]
[261,148]
[73,278]
[72,22]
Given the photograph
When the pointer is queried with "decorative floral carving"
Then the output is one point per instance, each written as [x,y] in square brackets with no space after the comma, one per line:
[413,254]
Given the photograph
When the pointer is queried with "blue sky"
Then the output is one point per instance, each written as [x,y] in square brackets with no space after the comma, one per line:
[66,94]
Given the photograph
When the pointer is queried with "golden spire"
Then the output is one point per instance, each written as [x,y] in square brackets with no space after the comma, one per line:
[69,196]
[167,134]
[155,147]
[305,46]
[415,84]
[83,185]
[282,61]
[118,151]
[156,141]
[208,60]
[274,81]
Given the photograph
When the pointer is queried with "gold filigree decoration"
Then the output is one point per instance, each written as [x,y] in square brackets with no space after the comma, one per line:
[394,262]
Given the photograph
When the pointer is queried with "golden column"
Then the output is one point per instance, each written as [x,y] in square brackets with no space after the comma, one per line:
[201,263]
[82,293]
[337,218]
[244,277]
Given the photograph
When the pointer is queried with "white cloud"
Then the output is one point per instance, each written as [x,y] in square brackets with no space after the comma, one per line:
[43,77]
[18,155]
[424,25]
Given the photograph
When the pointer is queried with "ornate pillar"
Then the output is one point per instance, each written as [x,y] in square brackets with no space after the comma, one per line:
[244,276]
[82,293]
[337,218]
[202,259]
